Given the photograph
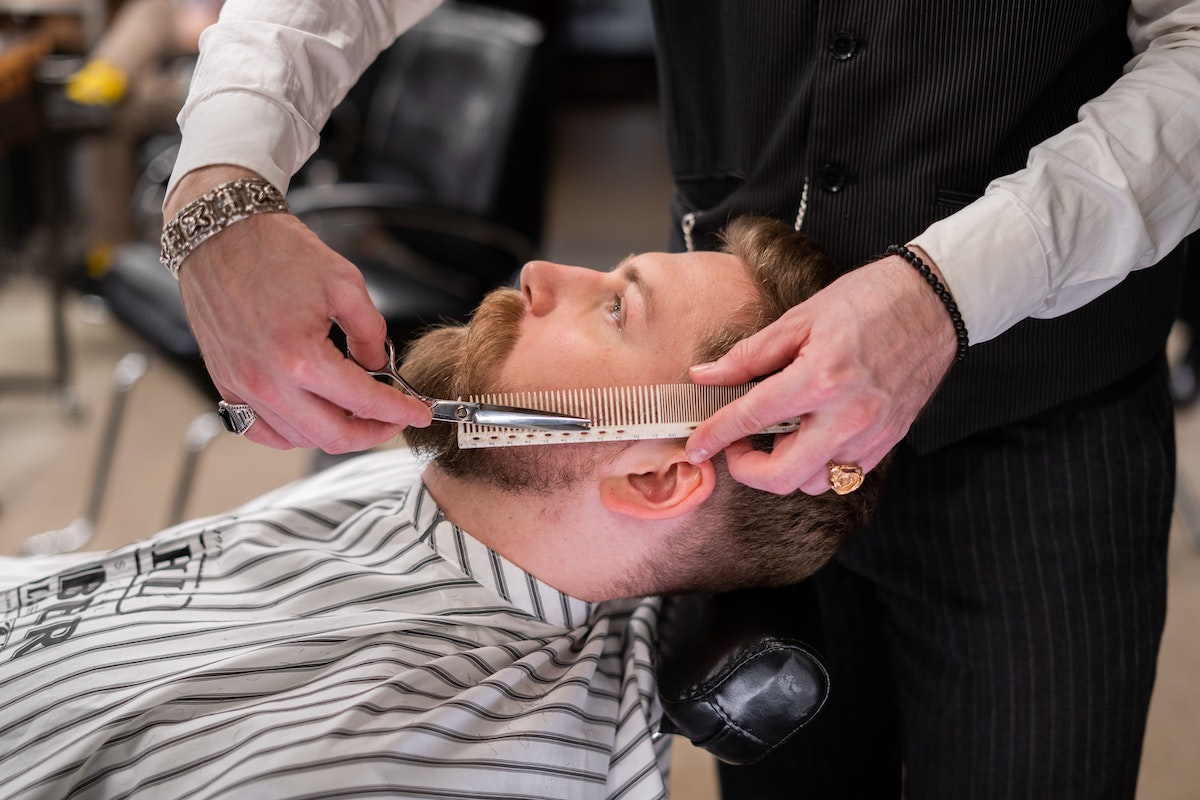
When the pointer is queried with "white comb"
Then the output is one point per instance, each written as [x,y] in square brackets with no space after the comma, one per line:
[618,413]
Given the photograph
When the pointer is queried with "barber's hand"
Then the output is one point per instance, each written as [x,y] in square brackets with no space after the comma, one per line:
[260,297]
[857,361]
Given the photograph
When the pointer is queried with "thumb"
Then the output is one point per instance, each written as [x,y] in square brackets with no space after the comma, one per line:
[363,325]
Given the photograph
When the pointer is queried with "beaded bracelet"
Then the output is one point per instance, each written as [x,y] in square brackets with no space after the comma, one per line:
[960,327]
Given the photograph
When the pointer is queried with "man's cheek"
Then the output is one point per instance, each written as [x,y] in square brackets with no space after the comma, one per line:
[557,358]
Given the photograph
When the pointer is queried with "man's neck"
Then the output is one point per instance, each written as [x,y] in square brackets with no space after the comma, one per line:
[566,539]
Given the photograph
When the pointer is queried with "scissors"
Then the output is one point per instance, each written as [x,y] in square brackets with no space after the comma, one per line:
[463,412]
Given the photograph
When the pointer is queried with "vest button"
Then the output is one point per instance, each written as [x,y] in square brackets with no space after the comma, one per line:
[833,177]
[843,46]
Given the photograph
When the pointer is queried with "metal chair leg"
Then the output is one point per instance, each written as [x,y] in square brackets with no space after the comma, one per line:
[129,370]
[202,430]
[1188,508]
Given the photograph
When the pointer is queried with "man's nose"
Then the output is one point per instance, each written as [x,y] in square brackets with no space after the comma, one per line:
[547,285]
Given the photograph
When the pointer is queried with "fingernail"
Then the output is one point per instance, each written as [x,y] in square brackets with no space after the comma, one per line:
[697,456]
[700,369]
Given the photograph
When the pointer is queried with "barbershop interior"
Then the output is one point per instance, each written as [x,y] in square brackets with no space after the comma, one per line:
[451,163]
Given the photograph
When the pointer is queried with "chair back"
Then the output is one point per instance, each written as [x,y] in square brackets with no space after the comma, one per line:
[459,116]
[440,198]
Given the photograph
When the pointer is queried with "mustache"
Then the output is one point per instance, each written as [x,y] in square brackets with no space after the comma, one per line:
[457,360]
[491,336]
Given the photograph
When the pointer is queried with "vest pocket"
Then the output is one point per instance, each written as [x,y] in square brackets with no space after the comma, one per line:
[951,200]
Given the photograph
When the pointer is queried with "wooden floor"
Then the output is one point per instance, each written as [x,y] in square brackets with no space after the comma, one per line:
[608,197]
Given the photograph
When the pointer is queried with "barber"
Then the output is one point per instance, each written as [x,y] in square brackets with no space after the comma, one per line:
[996,630]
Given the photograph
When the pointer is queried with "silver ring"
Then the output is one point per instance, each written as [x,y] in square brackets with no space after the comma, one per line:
[236,417]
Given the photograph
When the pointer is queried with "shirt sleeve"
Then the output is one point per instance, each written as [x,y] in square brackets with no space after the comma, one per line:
[271,71]
[1114,192]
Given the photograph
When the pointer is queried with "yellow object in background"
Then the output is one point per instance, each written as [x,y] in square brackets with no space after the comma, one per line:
[98,259]
[99,83]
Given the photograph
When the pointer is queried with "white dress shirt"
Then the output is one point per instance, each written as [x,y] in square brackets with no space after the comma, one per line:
[1112,193]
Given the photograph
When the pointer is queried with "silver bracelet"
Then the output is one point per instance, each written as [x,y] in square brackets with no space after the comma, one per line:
[211,213]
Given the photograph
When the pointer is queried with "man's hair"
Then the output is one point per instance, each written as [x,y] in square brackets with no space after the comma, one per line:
[743,536]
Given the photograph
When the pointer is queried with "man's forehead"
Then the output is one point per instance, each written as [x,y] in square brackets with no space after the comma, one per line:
[702,259]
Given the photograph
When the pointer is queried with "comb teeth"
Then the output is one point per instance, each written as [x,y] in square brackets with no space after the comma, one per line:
[618,413]
[627,405]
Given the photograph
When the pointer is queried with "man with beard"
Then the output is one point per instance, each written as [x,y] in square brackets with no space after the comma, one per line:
[460,632]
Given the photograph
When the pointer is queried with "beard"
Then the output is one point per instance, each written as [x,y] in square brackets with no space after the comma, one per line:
[456,361]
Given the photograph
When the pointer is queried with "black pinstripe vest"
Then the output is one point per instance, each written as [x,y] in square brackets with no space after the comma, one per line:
[761,95]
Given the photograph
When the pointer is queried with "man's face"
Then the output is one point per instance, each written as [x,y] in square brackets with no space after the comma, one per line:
[573,327]
[638,324]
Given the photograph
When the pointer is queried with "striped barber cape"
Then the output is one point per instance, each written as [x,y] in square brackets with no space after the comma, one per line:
[335,638]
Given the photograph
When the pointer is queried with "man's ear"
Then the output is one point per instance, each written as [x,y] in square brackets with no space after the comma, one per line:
[654,480]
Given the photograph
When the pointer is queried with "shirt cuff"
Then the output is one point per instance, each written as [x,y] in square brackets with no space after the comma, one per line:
[992,262]
[216,134]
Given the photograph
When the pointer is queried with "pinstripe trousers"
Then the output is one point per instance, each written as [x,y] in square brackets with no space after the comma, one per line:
[995,633]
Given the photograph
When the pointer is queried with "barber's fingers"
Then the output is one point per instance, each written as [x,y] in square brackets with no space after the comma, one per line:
[857,362]
[342,409]
[846,422]
[783,395]
[262,433]
[770,349]
[795,461]
[347,389]
[260,298]
[362,324]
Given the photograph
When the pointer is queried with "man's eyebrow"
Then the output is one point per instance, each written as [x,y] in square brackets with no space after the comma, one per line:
[634,275]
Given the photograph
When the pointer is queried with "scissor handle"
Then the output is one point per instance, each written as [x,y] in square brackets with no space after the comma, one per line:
[389,370]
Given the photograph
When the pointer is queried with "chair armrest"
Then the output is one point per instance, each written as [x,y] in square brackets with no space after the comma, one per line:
[399,208]
[732,676]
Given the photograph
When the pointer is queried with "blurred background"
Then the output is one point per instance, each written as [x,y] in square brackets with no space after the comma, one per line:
[531,128]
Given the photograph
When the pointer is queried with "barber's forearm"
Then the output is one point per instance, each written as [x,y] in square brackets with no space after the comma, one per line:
[1113,193]
[271,71]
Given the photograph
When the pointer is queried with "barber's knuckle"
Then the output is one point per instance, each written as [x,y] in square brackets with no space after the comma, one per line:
[299,369]
[371,406]
[742,350]
[781,484]
[346,283]
[860,416]
[748,420]
[767,478]
[377,325]
[338,445]
[824,386]
[256,384]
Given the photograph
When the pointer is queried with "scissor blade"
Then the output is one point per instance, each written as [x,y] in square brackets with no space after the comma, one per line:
[462,412]
[529,418]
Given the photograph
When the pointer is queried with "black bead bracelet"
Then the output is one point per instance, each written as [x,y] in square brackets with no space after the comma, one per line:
[960,327]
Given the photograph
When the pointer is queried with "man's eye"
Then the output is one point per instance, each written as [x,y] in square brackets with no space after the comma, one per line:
[617,308]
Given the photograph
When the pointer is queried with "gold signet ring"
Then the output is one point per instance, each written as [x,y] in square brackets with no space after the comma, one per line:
[845,478]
